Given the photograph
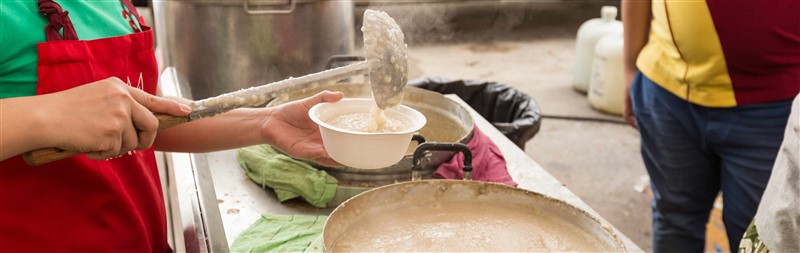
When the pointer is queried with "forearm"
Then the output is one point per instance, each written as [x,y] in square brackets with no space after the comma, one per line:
[636,24]
[237,128]
[22,126]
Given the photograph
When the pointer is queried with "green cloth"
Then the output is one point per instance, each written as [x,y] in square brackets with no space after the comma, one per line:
[289,178]
[282,233]
[21,27]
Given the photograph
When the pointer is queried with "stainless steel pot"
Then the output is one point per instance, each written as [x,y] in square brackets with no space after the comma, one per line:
[448,122]
[226,45]
[456,215]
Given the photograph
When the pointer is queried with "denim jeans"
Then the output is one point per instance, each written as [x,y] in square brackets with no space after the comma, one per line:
[692,152]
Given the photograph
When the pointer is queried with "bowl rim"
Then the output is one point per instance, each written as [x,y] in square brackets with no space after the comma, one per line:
[416,126]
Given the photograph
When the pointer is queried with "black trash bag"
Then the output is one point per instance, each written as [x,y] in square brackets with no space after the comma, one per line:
[512,112]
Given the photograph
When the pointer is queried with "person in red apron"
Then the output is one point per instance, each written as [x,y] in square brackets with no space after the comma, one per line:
[110,199]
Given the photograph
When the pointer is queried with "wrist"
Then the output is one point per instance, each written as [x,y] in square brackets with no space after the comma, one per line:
[24,126]
[41,117]
[265,136]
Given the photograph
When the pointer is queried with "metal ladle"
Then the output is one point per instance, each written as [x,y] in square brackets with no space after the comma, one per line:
[384,42]
[386,64]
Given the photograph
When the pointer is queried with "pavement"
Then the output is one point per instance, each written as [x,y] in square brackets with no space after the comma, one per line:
[532,48]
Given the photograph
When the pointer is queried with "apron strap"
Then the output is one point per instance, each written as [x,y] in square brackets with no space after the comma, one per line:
[132,10]
[58,19]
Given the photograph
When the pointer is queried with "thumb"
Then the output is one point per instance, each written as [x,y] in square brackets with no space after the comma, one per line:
[323,97]
[329,162]
[158,104]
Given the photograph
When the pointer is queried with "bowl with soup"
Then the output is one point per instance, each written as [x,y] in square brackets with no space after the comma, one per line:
[358,134]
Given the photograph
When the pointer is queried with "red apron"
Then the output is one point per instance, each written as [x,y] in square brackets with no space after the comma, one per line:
[78,204]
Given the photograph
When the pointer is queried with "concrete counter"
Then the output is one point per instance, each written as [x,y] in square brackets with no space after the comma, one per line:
[212,200]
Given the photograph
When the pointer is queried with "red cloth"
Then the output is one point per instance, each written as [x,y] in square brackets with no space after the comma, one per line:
[488,163]
[78,204]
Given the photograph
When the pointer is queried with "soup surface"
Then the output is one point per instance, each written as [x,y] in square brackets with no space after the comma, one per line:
[465,227]
[377,122]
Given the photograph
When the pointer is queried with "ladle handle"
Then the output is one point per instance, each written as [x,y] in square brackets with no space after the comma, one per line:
[222,104]
[416,164]
[343,58]
[48,155]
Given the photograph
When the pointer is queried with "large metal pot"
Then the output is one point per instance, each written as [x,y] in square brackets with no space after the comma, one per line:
[448,122]
[454,216]
[226,45]
[462,216]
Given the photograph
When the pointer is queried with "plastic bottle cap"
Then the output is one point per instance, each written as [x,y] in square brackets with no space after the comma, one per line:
[608,13]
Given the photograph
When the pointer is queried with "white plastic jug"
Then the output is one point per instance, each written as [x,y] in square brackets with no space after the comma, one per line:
[607,85]
[588,34]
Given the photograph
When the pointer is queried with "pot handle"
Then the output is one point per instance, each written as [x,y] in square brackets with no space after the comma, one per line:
[250,11]
[343,58]
[418,138]
[416,165]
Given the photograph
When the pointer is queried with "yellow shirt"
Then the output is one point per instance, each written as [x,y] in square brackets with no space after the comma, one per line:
[723,54]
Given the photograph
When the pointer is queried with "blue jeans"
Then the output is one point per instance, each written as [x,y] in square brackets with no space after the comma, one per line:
[692,152]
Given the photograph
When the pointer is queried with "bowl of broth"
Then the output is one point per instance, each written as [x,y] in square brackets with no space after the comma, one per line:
[356,134]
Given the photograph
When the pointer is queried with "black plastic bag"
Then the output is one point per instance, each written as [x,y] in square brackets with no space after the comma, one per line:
[512,112]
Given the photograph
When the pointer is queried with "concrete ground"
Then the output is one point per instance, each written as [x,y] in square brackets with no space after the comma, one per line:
[533,50]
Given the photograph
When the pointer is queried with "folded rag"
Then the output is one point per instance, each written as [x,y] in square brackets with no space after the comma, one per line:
[488,163]
[282,233]
[289,178]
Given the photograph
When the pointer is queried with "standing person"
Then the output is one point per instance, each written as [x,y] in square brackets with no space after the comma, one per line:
[710,89]
[61,70]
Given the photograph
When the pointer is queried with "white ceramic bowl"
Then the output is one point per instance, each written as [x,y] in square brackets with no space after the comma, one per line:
[364,150]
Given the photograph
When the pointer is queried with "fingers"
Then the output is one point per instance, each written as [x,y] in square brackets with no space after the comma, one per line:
[321,157]
[627,114]
[127,140]
[631,121]
[130,140]
[146,124]
[627,109]
[158,104]
[142,114]
[328,96]
[329,162]
[323,97]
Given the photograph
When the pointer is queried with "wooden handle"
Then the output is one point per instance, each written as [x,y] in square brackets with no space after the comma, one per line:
[47,155]
[167,120]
